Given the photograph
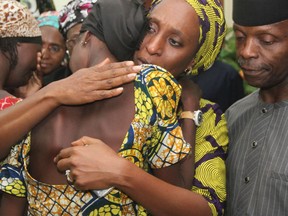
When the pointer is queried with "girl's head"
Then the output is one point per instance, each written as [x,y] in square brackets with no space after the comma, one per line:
[113,27]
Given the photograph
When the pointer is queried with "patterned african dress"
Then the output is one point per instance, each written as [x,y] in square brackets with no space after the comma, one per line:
[13,180]
[210,155]
[154,140]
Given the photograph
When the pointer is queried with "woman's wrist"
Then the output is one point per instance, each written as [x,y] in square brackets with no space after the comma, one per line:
[122,178]
[190,106]
[190,103]
[50,95]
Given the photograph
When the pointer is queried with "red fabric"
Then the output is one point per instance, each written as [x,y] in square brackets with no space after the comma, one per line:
[8,101]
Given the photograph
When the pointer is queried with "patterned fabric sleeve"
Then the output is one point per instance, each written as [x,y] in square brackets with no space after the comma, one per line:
[11,179]
[8,101]
[167,144]
[210,155]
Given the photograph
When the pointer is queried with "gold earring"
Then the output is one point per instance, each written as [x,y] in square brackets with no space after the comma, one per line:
[83,43]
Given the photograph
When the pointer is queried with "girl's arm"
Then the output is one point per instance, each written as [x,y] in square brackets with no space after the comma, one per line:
[84,86]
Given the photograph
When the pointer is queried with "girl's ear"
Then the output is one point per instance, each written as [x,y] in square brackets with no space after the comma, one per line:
[86,38]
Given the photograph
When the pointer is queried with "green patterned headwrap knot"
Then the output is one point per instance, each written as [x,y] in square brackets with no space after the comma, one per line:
[212,32]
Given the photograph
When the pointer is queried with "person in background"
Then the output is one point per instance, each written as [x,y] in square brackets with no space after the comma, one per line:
[44,5]
[36,7]
[221,83]
[257,163]
[168,44]
[53,47]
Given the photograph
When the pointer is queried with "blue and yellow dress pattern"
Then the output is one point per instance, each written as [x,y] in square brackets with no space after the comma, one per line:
[154,140]
[11,179]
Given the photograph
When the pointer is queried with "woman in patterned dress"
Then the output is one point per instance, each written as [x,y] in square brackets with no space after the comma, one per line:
[164,39]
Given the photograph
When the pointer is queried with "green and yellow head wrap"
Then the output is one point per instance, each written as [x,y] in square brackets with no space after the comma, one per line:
[212,32]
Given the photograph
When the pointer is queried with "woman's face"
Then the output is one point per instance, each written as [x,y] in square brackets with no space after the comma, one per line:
[172,40]
[53,49]
[27,61]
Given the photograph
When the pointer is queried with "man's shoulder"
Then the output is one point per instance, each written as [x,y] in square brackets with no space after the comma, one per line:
[247,101]
[242,107]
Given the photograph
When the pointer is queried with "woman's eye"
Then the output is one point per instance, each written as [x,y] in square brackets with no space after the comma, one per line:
[54,48]
[174,42]
[150,28]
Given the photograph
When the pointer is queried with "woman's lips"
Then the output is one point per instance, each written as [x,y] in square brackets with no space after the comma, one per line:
[44,65]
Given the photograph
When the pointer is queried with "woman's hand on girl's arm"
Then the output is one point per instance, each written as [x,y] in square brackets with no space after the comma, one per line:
[85,86]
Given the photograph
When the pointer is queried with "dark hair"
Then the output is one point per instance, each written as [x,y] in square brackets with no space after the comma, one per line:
[8,47]
[118,23]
